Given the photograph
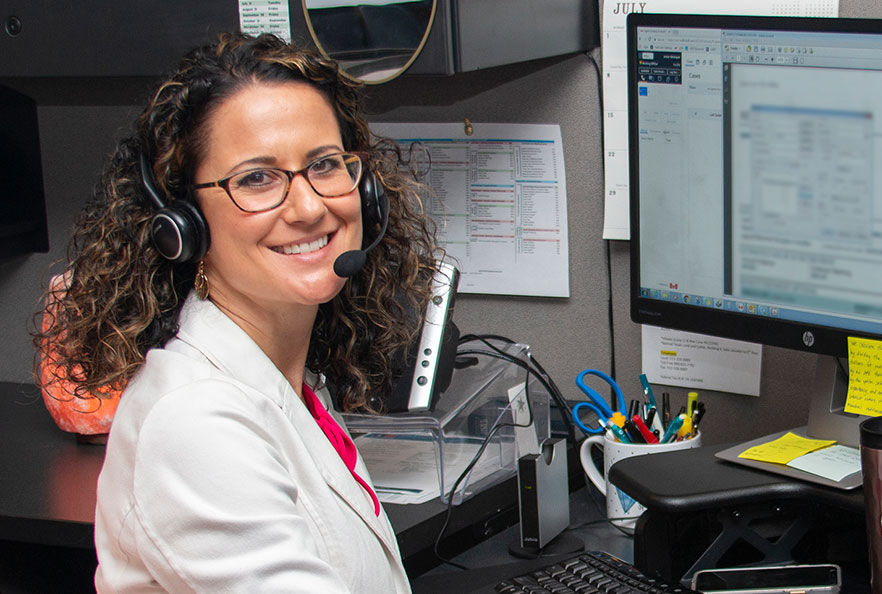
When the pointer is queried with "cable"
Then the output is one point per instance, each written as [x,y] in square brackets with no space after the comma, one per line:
[496,427]
[453,489]
[534,367]
[611,317]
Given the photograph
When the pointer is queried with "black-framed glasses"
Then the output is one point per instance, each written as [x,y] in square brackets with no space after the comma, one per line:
[265,188]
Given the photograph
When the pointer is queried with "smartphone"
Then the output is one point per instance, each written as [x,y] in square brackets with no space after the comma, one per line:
[785,579]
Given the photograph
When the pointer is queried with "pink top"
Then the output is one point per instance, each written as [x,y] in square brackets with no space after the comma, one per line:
[338,438]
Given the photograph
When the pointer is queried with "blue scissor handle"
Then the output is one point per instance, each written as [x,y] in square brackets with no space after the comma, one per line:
[600,401]
[595,410]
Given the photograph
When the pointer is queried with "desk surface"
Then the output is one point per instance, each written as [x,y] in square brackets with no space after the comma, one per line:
[490,561]
[47,495]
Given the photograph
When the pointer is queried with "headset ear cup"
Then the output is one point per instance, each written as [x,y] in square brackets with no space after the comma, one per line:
[179,233]
[371,192]
[178,230]
[197,238]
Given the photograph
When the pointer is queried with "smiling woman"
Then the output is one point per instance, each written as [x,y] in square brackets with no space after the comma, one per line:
[202,284]
[272,268]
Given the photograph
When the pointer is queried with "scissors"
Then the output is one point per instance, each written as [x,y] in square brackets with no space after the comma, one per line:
[598,404]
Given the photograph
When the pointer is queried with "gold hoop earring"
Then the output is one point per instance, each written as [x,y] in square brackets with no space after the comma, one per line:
[200,283]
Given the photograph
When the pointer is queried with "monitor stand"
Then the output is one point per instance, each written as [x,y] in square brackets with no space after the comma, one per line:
[827,420]
[827,416]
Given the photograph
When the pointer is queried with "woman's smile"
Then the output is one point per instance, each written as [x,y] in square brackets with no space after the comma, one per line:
[302,248]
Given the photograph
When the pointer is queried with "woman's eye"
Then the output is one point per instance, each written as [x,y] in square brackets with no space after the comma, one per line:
[257,179]
[326,165]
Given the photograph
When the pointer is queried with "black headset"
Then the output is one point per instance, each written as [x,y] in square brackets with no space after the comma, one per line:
[180,233]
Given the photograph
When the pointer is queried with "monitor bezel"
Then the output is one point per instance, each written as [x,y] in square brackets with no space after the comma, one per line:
[813,338]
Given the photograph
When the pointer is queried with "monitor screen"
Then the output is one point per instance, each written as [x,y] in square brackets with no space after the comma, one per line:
[755,144]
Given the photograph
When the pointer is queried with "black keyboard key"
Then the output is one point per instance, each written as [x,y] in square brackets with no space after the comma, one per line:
[589,573]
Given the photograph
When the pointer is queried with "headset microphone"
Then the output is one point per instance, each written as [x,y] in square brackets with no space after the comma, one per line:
[350,263]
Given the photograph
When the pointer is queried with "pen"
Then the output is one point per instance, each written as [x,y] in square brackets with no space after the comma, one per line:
[633,408]
[650,416]
[647,390]
[654,419]
[617,431]
[696,416]
[633,433]
[666,408]
[647,435]
[672,429]
[614,429]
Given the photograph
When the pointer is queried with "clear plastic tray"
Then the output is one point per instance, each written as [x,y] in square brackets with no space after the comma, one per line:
[416,456]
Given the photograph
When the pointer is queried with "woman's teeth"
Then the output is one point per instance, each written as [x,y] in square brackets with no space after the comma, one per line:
[303,248]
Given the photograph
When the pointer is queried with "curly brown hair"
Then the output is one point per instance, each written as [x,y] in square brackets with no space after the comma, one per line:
[121,297]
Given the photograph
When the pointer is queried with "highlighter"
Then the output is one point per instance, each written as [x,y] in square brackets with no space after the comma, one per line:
[691,399]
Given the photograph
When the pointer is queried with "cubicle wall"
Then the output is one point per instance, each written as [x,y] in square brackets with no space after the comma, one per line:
[567,335]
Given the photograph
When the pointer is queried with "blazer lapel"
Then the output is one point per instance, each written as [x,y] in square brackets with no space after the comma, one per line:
[337,476]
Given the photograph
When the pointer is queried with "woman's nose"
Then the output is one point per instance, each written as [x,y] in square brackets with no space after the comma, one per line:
[302,202]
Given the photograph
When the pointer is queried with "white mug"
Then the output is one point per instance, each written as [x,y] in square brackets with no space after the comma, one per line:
[621,509]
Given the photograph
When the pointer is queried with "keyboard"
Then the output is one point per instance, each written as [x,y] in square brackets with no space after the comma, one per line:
[593,572]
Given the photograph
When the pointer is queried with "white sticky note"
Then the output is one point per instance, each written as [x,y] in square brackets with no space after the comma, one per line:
[834,462]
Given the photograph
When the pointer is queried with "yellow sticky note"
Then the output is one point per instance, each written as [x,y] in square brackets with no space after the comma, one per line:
[784,449]
[864,377]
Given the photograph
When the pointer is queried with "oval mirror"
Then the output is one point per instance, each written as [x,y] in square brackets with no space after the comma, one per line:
[373,40]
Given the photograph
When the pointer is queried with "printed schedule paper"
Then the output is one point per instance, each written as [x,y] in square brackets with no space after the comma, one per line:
[499,203]
[265,16]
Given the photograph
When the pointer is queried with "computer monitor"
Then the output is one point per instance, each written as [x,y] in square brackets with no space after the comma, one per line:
[23,224]
[755,148]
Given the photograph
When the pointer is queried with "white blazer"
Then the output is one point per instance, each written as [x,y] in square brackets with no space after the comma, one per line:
[217,479]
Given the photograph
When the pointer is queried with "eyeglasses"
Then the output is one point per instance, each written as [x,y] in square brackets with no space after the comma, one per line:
[258,190]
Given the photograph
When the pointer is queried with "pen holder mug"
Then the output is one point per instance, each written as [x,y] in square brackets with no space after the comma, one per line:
[621,510]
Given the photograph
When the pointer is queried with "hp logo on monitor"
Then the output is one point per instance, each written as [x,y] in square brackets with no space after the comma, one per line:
[808,339]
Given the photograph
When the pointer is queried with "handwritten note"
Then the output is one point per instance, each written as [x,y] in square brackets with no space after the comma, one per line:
[835,462]
[864,377]
[784,449]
